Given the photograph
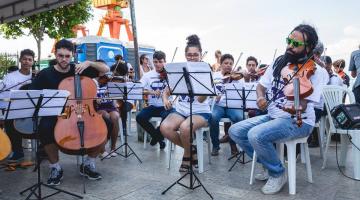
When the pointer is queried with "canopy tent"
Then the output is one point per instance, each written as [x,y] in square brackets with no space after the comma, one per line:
[11,10]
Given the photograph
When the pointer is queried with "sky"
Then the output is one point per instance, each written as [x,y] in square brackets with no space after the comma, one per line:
[253,27]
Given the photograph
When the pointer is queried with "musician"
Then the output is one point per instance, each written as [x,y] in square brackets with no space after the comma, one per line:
[216,66]
[50,78]
[154,86]
[107,108]
[261,132]
[339,66]
[13,81]
[250,75]
[144,64]
[334,79]
[354,68]
[179,119]
[220,110]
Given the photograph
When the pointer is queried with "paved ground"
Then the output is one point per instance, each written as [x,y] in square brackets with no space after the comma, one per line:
[128,179]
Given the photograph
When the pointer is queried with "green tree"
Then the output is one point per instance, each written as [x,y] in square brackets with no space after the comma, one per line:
[57,23]
[6,61]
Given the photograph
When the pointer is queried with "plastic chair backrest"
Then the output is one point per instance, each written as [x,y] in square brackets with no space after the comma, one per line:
[333,95]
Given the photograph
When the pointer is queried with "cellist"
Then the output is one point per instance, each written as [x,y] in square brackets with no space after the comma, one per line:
[261,132]
[49,78]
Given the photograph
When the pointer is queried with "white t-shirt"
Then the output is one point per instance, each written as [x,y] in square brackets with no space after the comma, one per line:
[220,87]
[151,81]
[324,75]
[267,80]
[183,105]
[15,78]
[335,80]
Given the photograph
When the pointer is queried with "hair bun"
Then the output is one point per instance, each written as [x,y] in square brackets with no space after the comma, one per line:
[193,40]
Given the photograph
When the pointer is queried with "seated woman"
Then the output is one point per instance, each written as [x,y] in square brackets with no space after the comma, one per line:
[179,119]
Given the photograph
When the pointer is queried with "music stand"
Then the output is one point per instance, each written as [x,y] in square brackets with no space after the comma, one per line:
[246,94]
[33,104]
[125,91]
[182,81]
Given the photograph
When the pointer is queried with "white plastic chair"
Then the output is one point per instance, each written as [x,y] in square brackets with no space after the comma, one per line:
[333,96]
[155,121]
[291,154]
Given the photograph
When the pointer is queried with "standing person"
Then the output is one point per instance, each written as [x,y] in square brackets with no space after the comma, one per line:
[50,78]
[260,133]
[216,66]
[154,87]
[339,66]
[180,118]
[144,64]
[220,110]
[13,81]
[354,69]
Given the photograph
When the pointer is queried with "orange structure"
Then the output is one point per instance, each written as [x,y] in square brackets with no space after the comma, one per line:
[113,18]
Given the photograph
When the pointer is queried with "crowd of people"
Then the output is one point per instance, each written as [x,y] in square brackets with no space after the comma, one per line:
[269,122]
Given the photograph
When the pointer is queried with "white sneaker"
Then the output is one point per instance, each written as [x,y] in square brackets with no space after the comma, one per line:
[113,154]
[274,185]
[105,154]
[263,175]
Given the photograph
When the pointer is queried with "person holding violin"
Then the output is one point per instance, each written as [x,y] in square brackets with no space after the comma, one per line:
[179,119]
[261,132]
[50,78]
[220,110]
[339,66]
[13,81]
[154,85]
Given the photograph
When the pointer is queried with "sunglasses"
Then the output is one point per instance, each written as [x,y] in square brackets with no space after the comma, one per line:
[294,43]
[64,56]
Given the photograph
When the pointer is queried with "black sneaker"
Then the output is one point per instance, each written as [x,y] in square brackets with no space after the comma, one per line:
[89,173]
[55,176]
[153,141]
[162,144]
[16,157]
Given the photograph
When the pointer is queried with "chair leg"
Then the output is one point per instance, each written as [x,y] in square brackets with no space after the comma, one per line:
[307,162]
[200,149]
[356,155]
[168,152]
[209,145]
[280,151]
[121,133]
[253,163]
[321,136]
[291,153]
[302,154]
[326,149]
[145,139]
[344,143]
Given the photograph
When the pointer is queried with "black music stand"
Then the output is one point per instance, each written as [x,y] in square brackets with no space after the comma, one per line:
[125,91]
[238,93]
[181,82]
[36,103]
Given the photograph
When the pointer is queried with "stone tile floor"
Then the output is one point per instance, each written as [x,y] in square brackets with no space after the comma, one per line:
[128,179]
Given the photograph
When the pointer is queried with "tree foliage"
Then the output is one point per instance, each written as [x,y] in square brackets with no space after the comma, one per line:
[5,62]
[56,23]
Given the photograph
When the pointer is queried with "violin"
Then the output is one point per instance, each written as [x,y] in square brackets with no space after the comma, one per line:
[80,129]
[163,75]
[298,86]
[232,76]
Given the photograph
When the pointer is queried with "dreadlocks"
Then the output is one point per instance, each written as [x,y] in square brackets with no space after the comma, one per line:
[311,39]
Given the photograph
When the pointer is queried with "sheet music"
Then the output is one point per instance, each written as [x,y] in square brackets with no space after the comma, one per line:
[200,78]
[233,95]
[134,90]
[53,106]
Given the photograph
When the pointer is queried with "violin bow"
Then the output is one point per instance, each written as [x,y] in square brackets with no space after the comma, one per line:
[203,56]
[237,62]
[274,55]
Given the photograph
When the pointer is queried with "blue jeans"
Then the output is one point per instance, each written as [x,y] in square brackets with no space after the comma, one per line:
[219,112]
[261,132]
[146,114]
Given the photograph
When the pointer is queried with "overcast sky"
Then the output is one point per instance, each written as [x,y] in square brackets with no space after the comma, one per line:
[254,27]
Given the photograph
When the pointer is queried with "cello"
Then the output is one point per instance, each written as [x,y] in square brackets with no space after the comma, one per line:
[80,129]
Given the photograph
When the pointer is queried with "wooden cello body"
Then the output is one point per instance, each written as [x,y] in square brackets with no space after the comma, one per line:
[80,129]
[5,145]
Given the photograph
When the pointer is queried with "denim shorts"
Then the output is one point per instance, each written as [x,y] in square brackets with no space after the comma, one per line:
[206,116]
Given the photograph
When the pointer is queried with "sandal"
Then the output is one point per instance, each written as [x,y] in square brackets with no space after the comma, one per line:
[194,154]
[184,167]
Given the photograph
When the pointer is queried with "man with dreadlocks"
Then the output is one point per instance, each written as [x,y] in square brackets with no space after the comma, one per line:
[261,132]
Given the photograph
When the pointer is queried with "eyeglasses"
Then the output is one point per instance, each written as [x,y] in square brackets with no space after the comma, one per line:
[294,43]
[192,55]
[64,56]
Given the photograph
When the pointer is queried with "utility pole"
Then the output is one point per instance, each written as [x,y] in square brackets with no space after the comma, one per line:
[136,45]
